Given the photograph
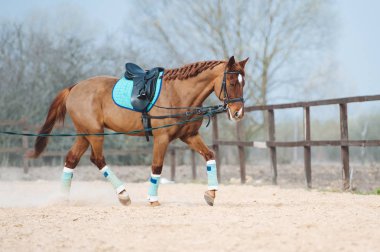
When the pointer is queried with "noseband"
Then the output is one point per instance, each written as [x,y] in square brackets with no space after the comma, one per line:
[226,98]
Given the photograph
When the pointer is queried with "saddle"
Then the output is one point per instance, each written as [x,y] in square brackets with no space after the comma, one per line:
[144,85]
[143,91]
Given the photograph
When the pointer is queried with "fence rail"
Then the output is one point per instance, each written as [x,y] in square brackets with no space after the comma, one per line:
[314,103]
[267,144]
[271,144]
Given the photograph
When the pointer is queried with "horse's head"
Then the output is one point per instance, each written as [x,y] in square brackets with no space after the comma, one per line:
[229,88]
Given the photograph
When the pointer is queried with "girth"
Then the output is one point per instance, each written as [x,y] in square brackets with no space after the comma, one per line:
[147,125]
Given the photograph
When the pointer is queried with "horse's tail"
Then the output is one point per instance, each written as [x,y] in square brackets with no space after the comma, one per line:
[57,112]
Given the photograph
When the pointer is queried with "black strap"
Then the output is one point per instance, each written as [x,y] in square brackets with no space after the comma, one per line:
[195,111]
[190,111]
[147,125]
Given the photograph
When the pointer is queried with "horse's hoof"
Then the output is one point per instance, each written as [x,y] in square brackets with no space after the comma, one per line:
[209,198]
[124,198]
[155,204]
[125,202]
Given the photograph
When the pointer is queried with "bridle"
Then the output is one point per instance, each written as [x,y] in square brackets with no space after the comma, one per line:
[226,98]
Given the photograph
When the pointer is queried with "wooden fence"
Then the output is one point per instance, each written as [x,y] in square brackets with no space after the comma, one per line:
[271,144]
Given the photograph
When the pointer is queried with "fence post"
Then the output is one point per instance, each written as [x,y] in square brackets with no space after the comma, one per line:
[193,165]
[272,149]
[215,145]
[239,133]
[345,154]
[172,164]
[307,148]
[25,147]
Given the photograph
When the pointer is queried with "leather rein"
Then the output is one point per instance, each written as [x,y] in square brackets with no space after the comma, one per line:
[198,112]
[208,110]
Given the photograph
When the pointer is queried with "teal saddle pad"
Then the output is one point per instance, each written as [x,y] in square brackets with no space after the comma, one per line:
[122,92]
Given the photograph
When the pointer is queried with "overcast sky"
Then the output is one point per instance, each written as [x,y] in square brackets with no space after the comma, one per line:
[356,51]
[358,45]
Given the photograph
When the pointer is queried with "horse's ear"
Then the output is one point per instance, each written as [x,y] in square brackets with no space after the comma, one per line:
[231,61]
[243,62]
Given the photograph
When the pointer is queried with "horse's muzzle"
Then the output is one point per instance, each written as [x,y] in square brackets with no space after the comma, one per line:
[235,115]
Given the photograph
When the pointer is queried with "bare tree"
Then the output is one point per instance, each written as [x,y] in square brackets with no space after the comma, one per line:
[283,39]
[37,61]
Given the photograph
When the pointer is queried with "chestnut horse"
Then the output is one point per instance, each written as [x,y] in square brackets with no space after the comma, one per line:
[91,108]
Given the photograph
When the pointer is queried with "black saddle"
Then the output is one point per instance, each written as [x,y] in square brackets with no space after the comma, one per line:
[144,88]
[144,84]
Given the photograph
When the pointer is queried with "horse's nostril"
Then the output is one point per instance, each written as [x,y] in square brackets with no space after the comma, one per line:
[236,114]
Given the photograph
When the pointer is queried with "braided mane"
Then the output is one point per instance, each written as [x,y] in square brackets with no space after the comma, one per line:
[190,70]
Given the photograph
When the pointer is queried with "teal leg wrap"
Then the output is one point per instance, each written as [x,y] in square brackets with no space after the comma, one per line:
[66,179]
[154,182]
[111,177]
[212,178]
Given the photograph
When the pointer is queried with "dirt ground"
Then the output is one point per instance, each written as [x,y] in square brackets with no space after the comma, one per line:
[245,218]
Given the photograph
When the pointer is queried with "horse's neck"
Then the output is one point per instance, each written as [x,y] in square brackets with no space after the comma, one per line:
[193,91]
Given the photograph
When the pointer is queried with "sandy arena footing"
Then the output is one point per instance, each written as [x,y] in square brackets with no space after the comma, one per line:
[244,218]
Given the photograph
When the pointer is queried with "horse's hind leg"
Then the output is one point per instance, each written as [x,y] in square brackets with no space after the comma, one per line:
[160,145]
[98,159]
[72,159]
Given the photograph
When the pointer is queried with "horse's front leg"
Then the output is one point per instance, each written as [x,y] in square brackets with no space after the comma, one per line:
[160,145]
[196,143]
